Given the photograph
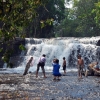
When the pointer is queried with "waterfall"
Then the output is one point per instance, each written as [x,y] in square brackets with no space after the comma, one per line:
[68,47]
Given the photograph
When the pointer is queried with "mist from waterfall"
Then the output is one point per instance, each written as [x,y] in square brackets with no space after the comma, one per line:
[59,48]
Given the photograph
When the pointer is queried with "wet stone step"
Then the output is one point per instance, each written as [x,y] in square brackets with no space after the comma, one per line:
[19,87]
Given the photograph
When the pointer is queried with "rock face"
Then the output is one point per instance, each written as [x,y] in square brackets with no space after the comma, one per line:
[16,52]
[28,87]
[98,43]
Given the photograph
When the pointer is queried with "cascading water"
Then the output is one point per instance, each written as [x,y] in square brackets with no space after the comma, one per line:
[59,48]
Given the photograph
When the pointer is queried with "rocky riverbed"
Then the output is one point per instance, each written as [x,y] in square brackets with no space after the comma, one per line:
[19,87]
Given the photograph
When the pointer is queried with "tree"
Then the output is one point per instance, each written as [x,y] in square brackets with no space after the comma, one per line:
[96,11]
[81,20]
[83,13]
[42,26]
[15,15]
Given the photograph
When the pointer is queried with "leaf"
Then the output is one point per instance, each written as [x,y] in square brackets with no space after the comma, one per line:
[1,49]
[42,25]
[22,47]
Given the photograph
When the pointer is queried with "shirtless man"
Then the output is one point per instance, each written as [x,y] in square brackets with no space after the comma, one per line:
[80,64]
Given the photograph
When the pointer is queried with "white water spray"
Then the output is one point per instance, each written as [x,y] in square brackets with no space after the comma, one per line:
[59,48]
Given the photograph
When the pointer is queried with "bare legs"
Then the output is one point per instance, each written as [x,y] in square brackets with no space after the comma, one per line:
[64,72]
[56,78]
[43,71]
[79,73]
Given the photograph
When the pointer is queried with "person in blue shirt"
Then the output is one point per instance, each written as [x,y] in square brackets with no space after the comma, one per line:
[56,68]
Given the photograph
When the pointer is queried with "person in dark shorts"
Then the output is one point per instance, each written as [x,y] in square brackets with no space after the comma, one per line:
[64,65]
[80,65]
[41,64]
[30,63]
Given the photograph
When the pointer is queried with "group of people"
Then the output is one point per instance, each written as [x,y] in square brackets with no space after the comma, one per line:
[56,66]
[93,66]
[41,63]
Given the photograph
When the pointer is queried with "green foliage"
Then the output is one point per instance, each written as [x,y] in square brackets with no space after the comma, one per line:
[7,55]
[47,22]
[85,17]
[22,47]
[96,11]
[42,25]
[15,16]
[5,59]
[1,49]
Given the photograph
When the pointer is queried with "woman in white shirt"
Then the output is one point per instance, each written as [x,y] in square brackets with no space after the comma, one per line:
[41,64]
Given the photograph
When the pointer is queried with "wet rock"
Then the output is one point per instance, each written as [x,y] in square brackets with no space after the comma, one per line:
[98,43]
[15,51]
[30,88]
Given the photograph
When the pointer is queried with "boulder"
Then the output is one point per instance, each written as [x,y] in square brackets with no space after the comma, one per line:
[16,51]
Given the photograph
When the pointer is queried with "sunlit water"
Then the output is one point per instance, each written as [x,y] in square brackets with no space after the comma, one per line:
[59,48]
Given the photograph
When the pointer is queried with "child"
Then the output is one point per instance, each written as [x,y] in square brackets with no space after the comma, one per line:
[64,65]
[80,64]
[56,68]
[30,63]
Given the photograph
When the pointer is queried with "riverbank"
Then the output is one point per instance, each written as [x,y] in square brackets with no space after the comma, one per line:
[19,87]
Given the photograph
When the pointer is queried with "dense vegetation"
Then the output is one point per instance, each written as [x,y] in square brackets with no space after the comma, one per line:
[48,18]
[83,19]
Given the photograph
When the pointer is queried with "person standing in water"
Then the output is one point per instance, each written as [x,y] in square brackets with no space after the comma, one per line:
[30,63]
[41,64]
[80,65]
[64,65]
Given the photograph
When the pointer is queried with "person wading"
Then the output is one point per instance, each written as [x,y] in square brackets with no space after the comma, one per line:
[41,64]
